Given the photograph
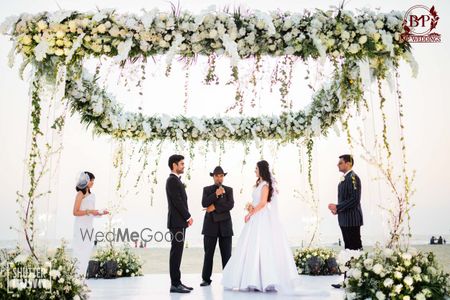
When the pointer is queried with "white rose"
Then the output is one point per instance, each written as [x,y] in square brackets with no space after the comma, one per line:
[406,298]
[356,273]
[417,270]
[379,24]
[398,275]
[420,296]
[213,34]
[289,50]
[260,24]
[408,280]
[362,39]
[59,52]
[101,28]
[114,31]
[398,288]
[345,35]
[388,282]
[42,25]
[197,48]
[368,263]
[26,40]
[377,269]
[406,256]
[60,34]
[380,295]
[376,36]
[354,48]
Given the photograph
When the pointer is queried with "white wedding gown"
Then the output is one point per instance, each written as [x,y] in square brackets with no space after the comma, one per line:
[82,249]
[262,259]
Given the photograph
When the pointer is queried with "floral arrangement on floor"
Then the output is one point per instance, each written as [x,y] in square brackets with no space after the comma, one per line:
[395,274]
[316,261]
[21,276]
[128,263]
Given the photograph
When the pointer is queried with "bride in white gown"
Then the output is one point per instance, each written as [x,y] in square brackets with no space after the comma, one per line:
[263,260]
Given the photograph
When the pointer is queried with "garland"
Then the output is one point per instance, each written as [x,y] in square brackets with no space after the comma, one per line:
[69,37]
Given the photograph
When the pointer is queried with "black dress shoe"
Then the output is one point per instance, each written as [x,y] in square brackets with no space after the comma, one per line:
[179,289]
[205,283]
[187,287]
[337,285]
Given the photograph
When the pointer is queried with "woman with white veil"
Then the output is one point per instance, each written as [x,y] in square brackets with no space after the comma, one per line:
[84,212]
[263,260]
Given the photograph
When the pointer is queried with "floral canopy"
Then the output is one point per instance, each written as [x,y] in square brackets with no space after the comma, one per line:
[56,45]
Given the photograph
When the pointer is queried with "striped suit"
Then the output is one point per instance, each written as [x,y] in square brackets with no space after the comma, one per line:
[349,211]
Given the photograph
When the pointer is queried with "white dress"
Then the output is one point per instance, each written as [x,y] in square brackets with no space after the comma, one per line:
[82,249]
[262,259]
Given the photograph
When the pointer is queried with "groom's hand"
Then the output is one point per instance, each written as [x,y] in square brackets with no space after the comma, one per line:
[211,208]
[332,207]
[190,222]
[220,191]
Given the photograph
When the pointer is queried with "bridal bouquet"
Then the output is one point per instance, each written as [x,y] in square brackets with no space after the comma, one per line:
[128,263]
[22,277]
[249,207]
[316,261]
[395,274]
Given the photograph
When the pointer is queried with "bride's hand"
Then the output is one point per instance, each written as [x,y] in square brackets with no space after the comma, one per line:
[247,218]
[249,207]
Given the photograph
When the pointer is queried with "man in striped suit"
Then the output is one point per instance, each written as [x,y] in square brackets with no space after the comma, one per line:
[348,208]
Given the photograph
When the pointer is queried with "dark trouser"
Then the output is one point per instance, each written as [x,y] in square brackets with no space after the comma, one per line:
[352,237]
[176,253]
[209,244]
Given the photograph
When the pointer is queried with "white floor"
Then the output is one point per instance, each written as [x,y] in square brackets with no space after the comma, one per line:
[156,286]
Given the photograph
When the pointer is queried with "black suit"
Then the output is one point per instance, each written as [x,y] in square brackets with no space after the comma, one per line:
[177,217]
[349,211]
[217,225]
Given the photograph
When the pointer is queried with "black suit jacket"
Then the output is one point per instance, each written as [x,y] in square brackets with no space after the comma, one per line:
[220,219]
[178,213]
[349,201]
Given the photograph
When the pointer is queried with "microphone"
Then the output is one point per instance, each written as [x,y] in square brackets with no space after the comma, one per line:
[220,186]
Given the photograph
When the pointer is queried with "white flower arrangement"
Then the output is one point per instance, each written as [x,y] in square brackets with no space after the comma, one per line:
[128,263]
[316,261]
[56,278]
[396,274]
[66,38]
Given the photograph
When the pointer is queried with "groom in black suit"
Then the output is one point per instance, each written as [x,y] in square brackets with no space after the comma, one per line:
[178,219]
[348,208]
[218,201]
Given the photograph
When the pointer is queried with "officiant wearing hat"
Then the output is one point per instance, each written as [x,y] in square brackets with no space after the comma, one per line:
[217,225]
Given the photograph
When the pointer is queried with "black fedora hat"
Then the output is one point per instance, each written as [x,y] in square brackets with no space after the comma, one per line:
[218,170]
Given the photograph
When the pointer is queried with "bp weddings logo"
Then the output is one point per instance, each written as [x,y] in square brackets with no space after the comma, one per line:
[419,25]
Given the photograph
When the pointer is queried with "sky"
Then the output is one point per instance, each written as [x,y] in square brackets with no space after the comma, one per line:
[426,128]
